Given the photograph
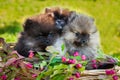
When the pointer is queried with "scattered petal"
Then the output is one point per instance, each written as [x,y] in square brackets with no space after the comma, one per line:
[63,59]
[71,61]
[83,57]
[77,75]
[94,61]
[71,78]
[34,75]
[78,65]
[3,77]
[29,66]
[75,53]
[115,77]
[110,72]
[94,66]
[31,54]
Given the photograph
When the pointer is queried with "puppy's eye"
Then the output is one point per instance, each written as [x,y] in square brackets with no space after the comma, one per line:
[77,34]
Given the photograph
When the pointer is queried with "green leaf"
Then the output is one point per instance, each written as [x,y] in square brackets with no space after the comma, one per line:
[55,60]
[72,57]
[48,72]
[56,72]
[101,53]
[81,69]
[43,53]
[44,74]
[63,47]
[40,56]
[84,63]
[42,64]
[71,66]
[36,65]
[60,66]
[40,76]
[78,58]
[118,63]
[59,77]
[52,50]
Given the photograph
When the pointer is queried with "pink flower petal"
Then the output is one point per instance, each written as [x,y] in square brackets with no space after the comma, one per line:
[31,54]
[63,59]
[94,61]
[71,61]
[77,75]
[94,66]
[29,66]
[78,65]
[110,72]
[115,77]
[3,77]
[83,57]
[71,78]
[34,75]
[75,53]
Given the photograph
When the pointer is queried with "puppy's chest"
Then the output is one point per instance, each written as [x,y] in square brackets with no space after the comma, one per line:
[58,46]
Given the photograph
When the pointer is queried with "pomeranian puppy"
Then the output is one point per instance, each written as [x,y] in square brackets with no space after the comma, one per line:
[60,16]
[81,35]
[41,31]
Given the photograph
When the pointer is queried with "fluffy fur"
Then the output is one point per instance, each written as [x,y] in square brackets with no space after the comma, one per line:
[81,35]
[61,16]
[40,31]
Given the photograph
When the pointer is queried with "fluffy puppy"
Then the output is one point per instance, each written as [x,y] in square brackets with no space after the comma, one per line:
[81,35]
[61,16]
[39,32]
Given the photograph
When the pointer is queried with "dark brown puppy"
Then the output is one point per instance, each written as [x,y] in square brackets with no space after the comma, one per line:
[41,31]
[60,15]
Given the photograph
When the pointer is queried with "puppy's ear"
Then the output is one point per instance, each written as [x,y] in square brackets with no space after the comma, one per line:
[27,24]
[72,16]
[47,10]
[51,14]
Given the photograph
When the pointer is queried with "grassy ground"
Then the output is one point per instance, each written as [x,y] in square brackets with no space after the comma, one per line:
[106,13]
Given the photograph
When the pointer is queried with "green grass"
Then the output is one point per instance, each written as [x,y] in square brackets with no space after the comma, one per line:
[106,13]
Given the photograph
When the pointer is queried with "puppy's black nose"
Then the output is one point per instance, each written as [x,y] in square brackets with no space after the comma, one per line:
[83,41]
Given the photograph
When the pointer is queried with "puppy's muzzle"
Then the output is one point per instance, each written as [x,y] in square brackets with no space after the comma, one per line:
[81,42]
[60,24]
